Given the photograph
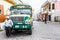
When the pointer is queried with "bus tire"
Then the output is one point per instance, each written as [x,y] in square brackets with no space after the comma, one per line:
[30,32]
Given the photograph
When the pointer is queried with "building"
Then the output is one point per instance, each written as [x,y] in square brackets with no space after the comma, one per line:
[53,9]
[45,10]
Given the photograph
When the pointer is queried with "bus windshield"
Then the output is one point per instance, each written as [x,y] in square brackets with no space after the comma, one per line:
[21,11]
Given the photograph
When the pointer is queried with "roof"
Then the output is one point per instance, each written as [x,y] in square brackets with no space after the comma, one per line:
[45,3]
[21,4]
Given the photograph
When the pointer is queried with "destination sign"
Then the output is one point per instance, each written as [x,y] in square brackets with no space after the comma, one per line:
[20,6]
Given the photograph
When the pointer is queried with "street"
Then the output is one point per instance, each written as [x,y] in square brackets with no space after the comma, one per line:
[40,31]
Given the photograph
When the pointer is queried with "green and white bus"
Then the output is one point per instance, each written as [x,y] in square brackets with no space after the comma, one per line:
[21,15]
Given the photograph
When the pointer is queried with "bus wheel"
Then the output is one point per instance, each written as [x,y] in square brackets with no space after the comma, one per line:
[30,32]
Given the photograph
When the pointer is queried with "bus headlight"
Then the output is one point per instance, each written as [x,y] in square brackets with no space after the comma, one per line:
[28,22]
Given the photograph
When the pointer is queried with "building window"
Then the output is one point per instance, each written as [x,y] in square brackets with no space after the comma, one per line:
[53,6]
[0,11]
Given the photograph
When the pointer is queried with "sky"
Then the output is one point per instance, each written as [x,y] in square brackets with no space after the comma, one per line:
[36,5]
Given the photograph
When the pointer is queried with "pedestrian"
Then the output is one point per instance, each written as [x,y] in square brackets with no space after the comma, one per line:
[46,18]
[8,26]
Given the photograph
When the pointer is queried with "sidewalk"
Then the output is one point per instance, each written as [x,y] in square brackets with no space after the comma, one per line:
[1,26]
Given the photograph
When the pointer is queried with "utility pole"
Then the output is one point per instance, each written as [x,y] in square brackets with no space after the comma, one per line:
[10,1]
[21,1]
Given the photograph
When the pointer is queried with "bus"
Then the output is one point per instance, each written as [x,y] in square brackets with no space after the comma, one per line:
[21,15]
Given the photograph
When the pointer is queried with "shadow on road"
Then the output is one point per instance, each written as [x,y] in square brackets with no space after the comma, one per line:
[18,34]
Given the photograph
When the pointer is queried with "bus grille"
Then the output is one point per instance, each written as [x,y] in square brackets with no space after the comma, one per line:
[17,19]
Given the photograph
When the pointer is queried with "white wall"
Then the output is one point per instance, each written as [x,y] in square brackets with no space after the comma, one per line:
[56,10]
[55,13]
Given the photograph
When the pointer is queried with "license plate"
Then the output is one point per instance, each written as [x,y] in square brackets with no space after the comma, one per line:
[17,26]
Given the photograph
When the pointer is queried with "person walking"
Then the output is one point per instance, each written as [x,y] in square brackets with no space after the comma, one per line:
[46,18]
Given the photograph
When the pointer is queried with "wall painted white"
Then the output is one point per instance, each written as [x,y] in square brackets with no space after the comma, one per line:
[56,11]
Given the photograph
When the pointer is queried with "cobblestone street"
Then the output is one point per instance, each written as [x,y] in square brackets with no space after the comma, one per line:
[41,31]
